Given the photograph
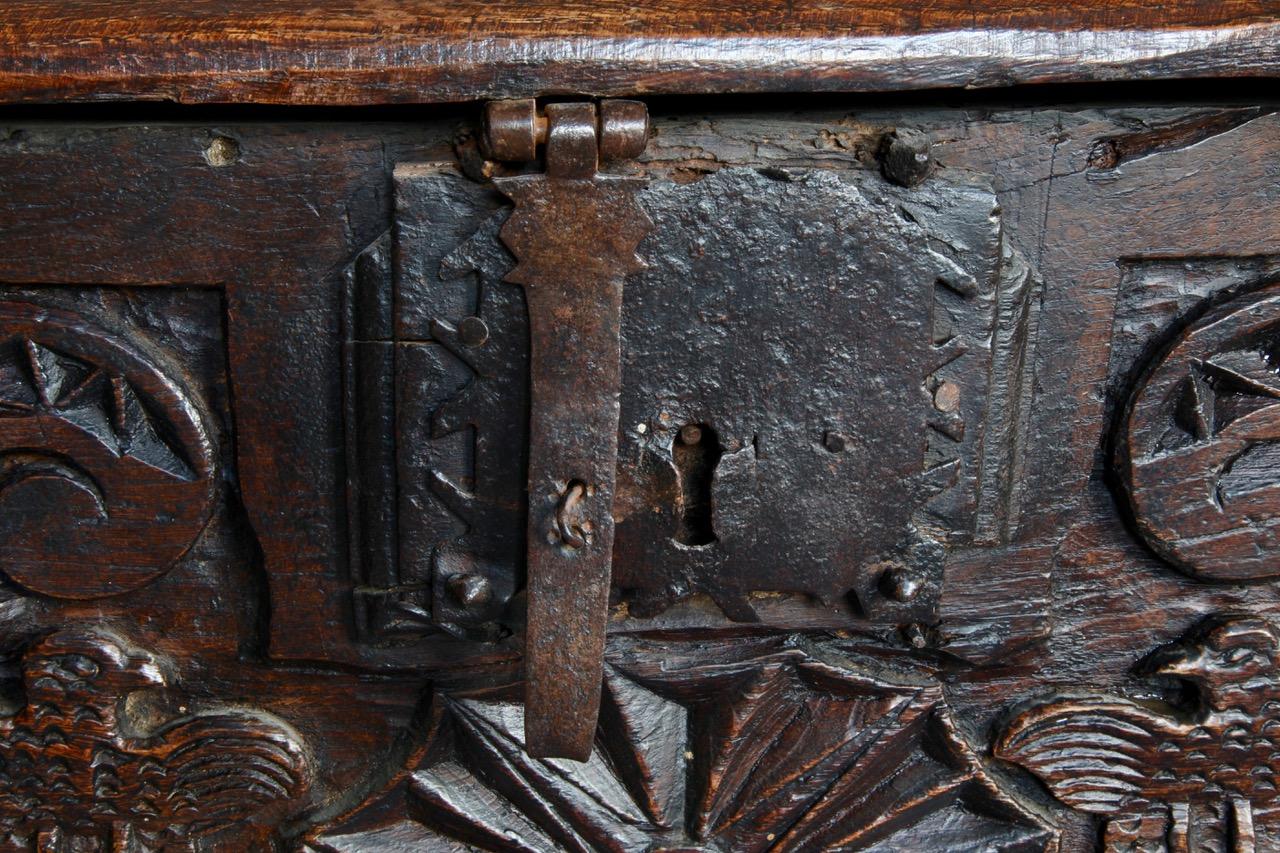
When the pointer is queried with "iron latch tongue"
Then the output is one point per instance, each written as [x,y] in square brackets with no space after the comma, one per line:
[574,234]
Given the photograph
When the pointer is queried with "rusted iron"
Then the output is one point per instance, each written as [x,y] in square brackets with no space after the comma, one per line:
[905,158]
[574,234]
[513,129]
[624,130]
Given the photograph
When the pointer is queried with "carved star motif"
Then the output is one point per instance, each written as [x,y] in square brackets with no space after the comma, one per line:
[38,380]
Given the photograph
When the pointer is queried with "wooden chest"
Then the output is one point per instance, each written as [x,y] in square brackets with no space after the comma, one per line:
[569,426]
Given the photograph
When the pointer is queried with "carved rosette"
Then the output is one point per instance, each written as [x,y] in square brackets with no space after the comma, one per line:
[760,744]
[106,465]
[1198,458]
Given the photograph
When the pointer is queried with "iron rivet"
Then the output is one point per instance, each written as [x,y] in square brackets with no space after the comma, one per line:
[222,151]
[471,591]
[904,157]
[472,331]
[946,397]
[899,584]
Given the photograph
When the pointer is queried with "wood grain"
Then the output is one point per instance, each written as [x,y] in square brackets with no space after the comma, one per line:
[378,52]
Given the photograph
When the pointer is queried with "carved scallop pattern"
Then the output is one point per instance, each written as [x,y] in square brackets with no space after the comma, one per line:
[92,760]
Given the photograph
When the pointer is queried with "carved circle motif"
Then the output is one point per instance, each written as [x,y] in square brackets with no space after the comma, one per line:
[1200,458]
[106,466]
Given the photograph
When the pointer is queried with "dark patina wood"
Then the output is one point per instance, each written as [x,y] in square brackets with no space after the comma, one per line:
[377,52]
[943,482]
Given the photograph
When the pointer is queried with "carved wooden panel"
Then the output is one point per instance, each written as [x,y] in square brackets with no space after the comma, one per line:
[91,761]
[1190,774]
[760,744]
[1196,448]
[108,466]
[944,505]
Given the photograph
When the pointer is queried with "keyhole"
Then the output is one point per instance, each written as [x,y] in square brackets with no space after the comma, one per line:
[696,453]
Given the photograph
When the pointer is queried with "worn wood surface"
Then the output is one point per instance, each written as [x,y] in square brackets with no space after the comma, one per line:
[380,51]
[292,303]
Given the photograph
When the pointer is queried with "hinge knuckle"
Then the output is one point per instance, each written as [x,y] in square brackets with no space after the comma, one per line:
[577,136]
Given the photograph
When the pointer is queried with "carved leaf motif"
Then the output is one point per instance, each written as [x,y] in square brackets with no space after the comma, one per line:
[81,394]
[774,744]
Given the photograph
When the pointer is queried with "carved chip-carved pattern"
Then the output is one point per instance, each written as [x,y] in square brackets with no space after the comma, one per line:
[91,760]
[105,463]
[1199,456]
[1170,777]
[495,404]
[764,744]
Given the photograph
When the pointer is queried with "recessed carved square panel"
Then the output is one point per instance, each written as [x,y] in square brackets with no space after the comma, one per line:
[109,445]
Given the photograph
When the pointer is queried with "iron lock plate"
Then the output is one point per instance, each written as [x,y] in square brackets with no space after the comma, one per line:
[811,399]
[828,335]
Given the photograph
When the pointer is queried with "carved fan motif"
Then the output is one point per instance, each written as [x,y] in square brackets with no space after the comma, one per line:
[105,463]
[774,744]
